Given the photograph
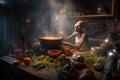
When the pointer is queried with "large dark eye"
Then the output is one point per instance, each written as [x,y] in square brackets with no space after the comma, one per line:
[77,28]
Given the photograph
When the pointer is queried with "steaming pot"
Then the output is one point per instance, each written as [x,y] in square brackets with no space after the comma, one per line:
[50,42]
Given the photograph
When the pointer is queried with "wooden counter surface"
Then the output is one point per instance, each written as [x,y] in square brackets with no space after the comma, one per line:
[42,73]
[48,74]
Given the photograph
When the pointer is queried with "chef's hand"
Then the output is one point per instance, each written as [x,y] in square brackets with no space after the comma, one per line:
[65,43]
[65,38]
[61,34]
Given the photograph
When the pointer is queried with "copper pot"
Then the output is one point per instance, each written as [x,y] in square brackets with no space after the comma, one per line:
[50,42]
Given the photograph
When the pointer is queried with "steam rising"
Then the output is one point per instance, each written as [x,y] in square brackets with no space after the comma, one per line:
[58,16]
[54,20]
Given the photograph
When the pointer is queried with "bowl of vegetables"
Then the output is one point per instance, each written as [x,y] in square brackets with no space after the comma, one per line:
[54,53]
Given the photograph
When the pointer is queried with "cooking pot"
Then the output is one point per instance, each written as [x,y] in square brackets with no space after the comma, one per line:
[50,42]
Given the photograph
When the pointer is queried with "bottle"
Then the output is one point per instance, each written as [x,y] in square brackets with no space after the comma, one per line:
[110,38]
[110,57]
[112,63]
[117,57]
[24,48]
[107,71]
[113,55]
[107,44]
[108,68]
[99,9]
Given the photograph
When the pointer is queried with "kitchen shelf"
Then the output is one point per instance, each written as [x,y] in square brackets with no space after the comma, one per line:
[94,16]
[97,8]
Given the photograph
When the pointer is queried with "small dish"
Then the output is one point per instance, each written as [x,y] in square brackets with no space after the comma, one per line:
[54,53]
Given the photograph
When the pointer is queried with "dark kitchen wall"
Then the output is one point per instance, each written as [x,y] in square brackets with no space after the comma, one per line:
[10,24]
[6,18]
[18,20]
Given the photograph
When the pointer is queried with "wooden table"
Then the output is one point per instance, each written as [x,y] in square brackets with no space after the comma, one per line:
[44,74]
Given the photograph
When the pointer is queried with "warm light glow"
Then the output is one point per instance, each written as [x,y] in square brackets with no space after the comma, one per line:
[50,38]
[61,33]
[74,55]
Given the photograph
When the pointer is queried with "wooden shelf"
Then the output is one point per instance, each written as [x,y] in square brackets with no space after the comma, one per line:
[94,16]
[108,8]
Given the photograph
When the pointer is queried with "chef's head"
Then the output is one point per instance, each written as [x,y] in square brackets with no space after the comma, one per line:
[79,26]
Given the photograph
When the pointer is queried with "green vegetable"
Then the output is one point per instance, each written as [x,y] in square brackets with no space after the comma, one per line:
[60,69]
[98,66]
[45,62]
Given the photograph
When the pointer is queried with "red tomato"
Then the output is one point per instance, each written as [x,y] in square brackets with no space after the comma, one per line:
[27,60]
[54,54]
[55,51]
[16,62]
